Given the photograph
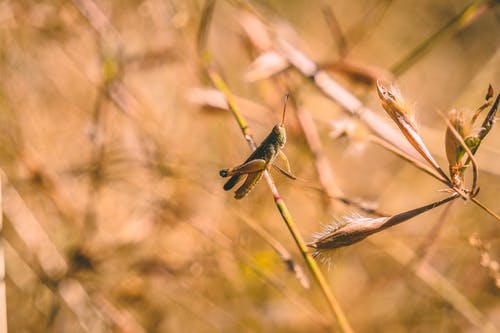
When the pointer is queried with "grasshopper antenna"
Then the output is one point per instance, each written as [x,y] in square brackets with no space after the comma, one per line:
[284,108]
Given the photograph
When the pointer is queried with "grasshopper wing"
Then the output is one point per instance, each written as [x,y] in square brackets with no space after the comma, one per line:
[252,179]
[232,181]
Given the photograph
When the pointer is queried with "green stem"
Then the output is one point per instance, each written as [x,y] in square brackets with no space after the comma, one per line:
[313,266]
[280,204]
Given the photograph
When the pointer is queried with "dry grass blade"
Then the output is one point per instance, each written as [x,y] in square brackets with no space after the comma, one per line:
[98,20]
[206,18]
[335,29]
[422,166]
[122,320]
[280,249]
[358,72]
[424,248]
[29,229]
[326,176]
[486,209]
[227,244]
[77,299]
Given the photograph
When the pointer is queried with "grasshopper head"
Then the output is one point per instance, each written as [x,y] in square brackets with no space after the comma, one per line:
[279,129]
[280,134]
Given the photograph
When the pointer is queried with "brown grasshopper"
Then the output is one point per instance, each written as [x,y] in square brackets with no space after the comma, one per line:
[259,161]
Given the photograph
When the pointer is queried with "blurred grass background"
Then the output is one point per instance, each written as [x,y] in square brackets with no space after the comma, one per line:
[103,146]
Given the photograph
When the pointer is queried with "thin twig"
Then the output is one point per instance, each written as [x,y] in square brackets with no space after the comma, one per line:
[422,251]
[335,29]
[422,166]
[489,211]
[206,18]
[325,173]
[279,248]
[270,279]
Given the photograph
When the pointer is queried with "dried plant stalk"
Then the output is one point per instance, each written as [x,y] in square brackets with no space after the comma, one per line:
[279,248]
[417,163]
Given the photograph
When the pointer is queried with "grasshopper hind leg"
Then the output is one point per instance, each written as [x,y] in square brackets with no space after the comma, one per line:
[232,181]
[252,179]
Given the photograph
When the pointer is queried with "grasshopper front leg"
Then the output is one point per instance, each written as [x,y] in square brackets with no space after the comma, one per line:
[288,172]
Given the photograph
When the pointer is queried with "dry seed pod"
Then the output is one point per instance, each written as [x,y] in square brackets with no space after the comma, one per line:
[354,228]
[402,115]
[393,103]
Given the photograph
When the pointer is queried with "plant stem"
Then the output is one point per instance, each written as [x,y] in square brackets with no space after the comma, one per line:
[280,204]
[486,209]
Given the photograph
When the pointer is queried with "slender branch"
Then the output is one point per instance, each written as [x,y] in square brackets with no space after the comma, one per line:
[422,166]
[206,18]
[325,173]
[280,204]
[227,244]
[423,249]
[279,248]
[486,209]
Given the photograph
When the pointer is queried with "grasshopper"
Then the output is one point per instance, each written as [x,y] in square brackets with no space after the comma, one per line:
[259,161]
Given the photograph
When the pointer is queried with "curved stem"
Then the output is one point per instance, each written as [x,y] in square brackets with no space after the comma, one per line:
[285,213]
